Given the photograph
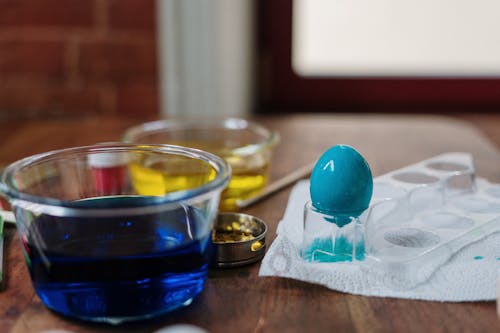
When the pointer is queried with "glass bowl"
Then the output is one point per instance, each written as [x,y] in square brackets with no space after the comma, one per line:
[245,145]
[96,247]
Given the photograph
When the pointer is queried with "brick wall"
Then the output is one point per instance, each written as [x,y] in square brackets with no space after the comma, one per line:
[67,57]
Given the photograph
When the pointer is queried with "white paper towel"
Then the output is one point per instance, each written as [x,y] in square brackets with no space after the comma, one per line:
[468,275]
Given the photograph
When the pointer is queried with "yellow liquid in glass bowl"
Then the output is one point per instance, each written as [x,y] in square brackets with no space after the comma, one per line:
[249,175]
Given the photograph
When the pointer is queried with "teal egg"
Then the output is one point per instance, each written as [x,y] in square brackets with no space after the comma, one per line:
[341,182]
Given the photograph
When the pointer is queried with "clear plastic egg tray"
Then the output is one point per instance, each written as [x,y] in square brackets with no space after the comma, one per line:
[422,214]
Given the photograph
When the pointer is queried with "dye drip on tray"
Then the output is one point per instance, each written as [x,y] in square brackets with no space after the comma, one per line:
[341,189]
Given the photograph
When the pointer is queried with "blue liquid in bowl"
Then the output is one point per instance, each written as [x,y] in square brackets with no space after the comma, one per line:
[120,268]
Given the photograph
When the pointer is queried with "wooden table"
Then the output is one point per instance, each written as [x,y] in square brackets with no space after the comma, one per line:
[238,299]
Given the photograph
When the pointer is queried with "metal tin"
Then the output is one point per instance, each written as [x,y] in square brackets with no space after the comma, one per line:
[239,239]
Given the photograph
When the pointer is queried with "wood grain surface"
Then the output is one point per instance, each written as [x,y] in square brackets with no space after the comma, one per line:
[238,299]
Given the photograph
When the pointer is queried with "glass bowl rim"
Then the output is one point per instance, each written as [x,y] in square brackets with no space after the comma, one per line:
[271,138]
[63,207]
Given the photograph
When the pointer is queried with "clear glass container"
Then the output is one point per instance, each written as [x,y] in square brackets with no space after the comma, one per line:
[245,145]
[331,238]
[99,249]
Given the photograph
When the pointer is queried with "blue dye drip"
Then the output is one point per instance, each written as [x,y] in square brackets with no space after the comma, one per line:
[478,257]
[340,220]
[344,247]
[323,250]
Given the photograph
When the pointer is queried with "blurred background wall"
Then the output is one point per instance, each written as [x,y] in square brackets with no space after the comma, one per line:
[77,57]
[68,57]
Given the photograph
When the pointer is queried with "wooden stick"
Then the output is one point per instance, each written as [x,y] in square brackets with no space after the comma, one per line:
[280,184]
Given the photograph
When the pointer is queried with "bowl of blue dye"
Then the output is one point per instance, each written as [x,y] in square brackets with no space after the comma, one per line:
[98,250]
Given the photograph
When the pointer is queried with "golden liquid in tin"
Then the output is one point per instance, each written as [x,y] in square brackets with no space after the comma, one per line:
[249,176]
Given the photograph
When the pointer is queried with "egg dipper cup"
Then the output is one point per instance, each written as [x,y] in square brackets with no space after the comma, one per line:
[341,189]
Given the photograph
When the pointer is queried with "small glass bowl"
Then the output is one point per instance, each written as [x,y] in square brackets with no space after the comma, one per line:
[96,247]
[245,145]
